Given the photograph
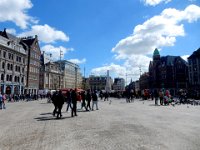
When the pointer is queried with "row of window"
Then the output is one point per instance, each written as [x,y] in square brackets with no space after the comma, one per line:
[10,78]
[10,67]
[11,56]
[35,55]
[34,70]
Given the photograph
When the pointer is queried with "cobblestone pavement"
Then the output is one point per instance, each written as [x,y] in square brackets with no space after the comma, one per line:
[116,126]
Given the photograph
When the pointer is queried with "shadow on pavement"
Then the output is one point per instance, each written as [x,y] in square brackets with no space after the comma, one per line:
[50,113]
[50,118]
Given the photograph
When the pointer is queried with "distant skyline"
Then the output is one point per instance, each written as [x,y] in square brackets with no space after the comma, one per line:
[100,35]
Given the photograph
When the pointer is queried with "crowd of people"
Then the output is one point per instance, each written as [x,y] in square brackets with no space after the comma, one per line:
[161,97]
[71,98]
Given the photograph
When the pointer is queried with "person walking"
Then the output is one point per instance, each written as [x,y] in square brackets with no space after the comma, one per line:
[60,102]
[83,97]
[54,101]
[74,102]
[106,95]
[156,95]
[161,96]
[1,100]
[69,100]
[88,99]
[94,100]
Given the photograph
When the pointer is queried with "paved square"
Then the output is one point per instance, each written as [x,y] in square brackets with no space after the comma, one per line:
[117,126]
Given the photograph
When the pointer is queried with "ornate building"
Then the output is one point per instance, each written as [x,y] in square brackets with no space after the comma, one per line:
[33,64]
[99,82]
[168,72]
[13,58]
[51,77]
[72,75]
[144,81]
[119,84]
[194,71]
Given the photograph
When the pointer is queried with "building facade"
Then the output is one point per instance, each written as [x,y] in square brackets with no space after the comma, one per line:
[99,82]
[194,72]
[119,84]
[51,77]
[72,74]
[33,64]
[13,58]
[144,81]
[168,72]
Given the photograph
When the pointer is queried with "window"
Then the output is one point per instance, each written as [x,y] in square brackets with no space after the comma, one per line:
[4,54]
[11,67]
[7,78]
[10,78]
[15,79]
[2,77]
[9,56]
[8,66]
[3,65]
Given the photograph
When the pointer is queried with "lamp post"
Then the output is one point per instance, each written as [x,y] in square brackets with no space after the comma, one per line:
[48,68]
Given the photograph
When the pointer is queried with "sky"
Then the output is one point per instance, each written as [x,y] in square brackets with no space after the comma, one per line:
[100,35]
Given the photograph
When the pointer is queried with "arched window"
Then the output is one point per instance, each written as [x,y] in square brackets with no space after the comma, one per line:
[15,68]
[15,78]
[22,80]
[11,67]
[11,78]
[2,77]
[18,79]
[3,65]
[8,66]
[7,78]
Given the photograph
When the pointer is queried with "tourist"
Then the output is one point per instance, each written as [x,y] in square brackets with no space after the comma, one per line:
[60,102]
[69,100]
[156,95]
[83,97]
[74,97]
[88,99]
[1,100]
[94,100]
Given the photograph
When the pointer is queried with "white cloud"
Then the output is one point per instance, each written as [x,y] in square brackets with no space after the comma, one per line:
[155,2]
[11,31]
[157,32]
[77,61]
[55,51]
[16,11]
[129,70]
[113,68]
[185,57]
[46,34]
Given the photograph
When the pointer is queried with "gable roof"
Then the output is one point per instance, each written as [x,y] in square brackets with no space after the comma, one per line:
[170,60]
[195,54]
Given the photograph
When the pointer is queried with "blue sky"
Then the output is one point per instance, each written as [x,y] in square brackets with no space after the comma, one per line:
[100,35]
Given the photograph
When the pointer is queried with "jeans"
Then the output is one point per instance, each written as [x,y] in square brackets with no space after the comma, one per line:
[94,103]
